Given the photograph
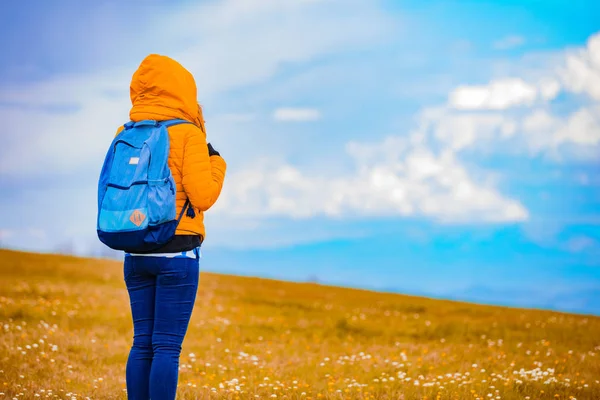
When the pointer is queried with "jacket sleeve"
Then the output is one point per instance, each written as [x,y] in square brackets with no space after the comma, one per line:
[203,175]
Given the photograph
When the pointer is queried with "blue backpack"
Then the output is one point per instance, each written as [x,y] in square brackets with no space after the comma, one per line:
[136,191]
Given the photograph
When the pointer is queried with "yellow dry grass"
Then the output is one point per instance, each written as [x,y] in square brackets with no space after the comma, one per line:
[65,330]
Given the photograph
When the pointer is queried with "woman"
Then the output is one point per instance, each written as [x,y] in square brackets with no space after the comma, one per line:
[162,284]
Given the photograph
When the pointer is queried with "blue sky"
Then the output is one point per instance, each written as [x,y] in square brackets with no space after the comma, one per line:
[449,149]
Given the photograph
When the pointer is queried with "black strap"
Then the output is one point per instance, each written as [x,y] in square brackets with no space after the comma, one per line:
[185,207]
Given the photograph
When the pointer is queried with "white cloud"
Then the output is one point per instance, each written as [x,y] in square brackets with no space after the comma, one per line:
[581,72]
[391,178]
[296,114]
[480,114]
[581,128]
[509,42]
[501,94]
[548,89]
[535,132]
[461,130]
[538,126]
[543,131]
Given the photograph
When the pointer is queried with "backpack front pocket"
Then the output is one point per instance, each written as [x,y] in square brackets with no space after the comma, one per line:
[133,217]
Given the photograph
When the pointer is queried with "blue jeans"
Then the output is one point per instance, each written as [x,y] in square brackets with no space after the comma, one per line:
[162,292]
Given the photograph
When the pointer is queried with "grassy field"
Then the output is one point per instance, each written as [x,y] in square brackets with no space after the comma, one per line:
[65,330]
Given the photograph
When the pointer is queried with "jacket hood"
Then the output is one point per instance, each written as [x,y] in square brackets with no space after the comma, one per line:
[162,89]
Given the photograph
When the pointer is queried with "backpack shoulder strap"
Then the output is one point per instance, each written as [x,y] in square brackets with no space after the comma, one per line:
[173,122]
[168,124]
[148,122]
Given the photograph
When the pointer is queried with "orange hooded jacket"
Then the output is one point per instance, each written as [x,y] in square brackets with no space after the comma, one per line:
[162,89]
